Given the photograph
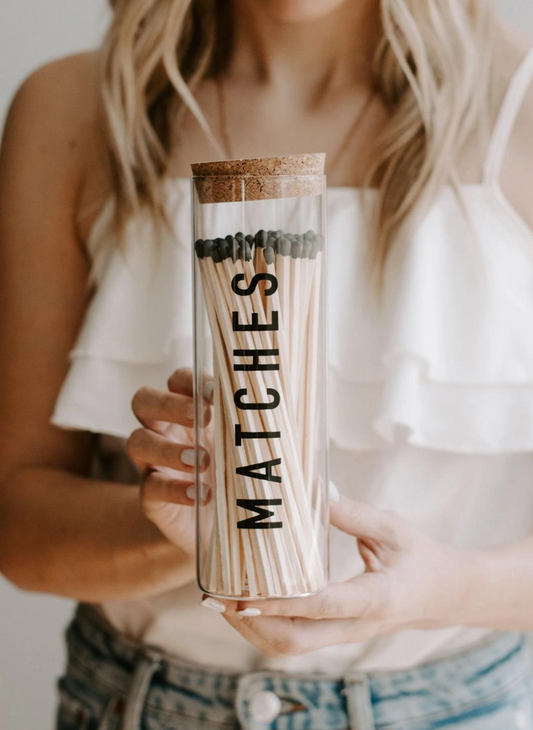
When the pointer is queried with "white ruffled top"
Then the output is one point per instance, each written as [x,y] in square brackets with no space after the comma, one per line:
[430,388]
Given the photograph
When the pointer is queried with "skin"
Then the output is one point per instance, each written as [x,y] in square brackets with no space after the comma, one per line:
[61,531]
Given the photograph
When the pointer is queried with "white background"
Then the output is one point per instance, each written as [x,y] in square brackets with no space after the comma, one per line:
[31,650]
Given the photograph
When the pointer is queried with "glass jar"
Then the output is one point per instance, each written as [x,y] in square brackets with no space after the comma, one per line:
[260,376]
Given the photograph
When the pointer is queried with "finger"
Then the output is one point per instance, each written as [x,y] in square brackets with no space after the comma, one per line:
[161,488]
[276,636]
[312,635]
[369,555]
[158,487]
[182,382]
[339,600]
[362,520]
[147,448]
[151,405]
[291,636]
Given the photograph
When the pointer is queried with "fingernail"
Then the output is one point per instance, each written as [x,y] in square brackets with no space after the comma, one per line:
[250,612]
[334,493]
[188,411]
[213,605]
[206,493]
[187,457]
[209,389]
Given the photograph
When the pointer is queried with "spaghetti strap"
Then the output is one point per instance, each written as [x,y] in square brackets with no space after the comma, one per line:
[507,116]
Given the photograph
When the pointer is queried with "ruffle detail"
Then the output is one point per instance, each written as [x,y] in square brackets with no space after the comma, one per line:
[407,408]
[444,360]
[138,327]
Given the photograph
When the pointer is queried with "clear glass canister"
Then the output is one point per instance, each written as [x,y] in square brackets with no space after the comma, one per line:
[260,376]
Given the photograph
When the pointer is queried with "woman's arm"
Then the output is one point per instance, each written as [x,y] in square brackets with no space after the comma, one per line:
[61,532]
[68,535]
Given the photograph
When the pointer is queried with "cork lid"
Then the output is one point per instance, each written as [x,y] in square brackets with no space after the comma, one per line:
[260,178]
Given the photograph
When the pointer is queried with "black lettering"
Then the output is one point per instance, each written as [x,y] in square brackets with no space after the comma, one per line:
[252,471]
[255,355]
[240,394]
[253,284]
[256,521]
[255,326]
[240,435]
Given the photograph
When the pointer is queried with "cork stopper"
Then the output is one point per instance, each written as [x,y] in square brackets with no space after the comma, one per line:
[260,178]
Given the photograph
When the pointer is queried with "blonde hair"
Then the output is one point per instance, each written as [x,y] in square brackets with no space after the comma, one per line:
[431,69]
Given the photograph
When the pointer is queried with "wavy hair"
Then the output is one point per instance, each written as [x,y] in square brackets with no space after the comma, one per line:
[432,70]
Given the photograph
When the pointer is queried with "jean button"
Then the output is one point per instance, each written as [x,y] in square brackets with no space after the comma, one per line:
[265,706]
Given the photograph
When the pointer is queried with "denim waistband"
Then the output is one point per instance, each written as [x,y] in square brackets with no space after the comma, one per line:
[183,694]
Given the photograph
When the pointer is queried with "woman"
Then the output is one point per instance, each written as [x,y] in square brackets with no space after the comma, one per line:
[431,362]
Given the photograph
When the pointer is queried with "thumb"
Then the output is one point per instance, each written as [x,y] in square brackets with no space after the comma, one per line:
[361,520]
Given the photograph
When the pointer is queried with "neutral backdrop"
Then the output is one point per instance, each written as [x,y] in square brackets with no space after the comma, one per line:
[31,648]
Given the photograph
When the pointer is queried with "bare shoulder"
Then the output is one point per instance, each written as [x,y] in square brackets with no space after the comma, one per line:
[54,116]
[61,94]
[53,133]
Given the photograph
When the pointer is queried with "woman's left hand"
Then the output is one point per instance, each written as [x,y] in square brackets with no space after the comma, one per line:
[410,582]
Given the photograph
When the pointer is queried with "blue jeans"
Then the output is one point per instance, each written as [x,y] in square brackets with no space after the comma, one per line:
[112,683]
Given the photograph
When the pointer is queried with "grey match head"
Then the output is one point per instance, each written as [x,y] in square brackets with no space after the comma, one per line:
[273,243]
[235,250]
[239,236]
[225,249]
[216,254]
[285,246]
[199,248]
[247,250]
[261,238]
[310,234]
[249,239]
[229,238]
[314,250]
[306,250]
[296,250]
[269,254]
[219,243]
[208,247]
[320,241]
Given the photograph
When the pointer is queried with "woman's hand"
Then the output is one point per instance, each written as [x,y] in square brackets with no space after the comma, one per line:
[163,449]
[410,581]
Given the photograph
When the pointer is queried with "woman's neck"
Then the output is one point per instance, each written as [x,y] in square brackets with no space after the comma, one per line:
[307,58]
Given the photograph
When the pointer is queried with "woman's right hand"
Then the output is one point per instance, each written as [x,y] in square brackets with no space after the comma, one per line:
[163,449]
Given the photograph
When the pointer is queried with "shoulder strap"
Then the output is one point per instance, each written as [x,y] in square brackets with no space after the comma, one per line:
[506,120]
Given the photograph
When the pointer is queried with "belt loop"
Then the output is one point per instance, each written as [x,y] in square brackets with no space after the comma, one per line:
[138,691]
[357,691]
